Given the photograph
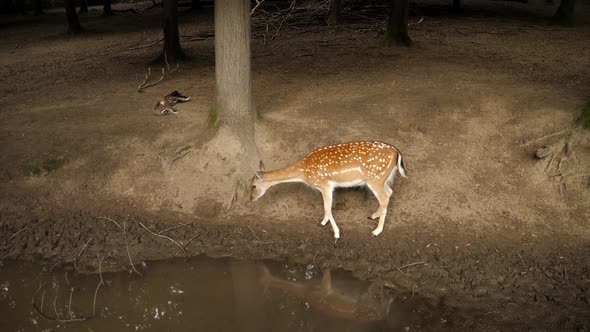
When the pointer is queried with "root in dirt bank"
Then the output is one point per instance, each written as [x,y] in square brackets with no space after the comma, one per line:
[220,171]
[567,160]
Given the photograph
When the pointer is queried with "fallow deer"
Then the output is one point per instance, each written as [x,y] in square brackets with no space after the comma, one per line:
[351,164]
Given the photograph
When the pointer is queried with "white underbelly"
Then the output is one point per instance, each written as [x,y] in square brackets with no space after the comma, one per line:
[338,184]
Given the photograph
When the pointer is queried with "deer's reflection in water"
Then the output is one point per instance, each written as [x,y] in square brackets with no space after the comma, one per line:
[356,300]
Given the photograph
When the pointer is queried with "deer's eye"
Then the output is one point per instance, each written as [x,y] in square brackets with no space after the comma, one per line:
[253,186]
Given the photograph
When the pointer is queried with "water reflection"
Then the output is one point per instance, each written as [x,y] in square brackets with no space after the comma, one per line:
[351,299]
[203,294]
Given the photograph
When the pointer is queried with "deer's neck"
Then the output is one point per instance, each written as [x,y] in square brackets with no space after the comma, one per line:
[290,173]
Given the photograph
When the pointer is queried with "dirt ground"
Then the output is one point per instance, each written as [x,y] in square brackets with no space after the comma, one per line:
[87,168]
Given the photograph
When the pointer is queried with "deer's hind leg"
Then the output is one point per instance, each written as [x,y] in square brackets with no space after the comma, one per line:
[382,192]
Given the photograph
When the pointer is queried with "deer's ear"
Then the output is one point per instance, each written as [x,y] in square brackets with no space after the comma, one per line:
[259,175]
[261,166]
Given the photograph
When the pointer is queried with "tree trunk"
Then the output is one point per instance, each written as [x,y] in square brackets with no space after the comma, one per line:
[107,10]
[234,106]
[6,7]
[456,5]
[20,7]
[196,4]
[73,22]
[38,7]
[83,7]
[172,51]
[397,27]
[565,12]
[335,16]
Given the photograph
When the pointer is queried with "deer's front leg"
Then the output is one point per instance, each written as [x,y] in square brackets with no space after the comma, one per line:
[327,195]
[377,213]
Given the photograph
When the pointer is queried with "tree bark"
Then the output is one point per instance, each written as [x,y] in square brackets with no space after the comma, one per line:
[172,50]
[107,10]
[38,7]
[196,4]
[73,22]
[335,16]
[565,12]
[83,7]
[20,7]
[234,105]
[397,27]
[6,7]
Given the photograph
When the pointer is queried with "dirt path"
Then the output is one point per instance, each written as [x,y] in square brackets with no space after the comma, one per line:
[478,223]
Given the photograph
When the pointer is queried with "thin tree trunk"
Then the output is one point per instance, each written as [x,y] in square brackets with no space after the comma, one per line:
[335,16]
[196,4]
[38,7]
[73,22]
[20,7]
[172,50]
[248,302]
[83,7]
[234,105]
[107,10]
[565,12]
[456,5]
[397,27]
[6,7]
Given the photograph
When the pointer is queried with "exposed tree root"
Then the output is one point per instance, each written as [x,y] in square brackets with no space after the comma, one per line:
[562,162]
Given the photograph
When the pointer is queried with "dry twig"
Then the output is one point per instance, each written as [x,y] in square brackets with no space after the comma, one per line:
[57,318]
[258,3]
[163,236]
[128,253]
[522,260]
[399,269]
[97,286]
[52,266]
[41,284]
[543,137]
[251,230]
[55,307]
[419,21]
[109,219]
[294,15]
[190,240]
[81,250]
[173,227]
[411,264]
[18,232]
[70,303]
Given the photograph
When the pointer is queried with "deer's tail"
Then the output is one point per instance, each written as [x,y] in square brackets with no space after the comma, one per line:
[400,165]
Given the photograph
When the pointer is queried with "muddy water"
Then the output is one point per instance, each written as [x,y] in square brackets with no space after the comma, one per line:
[204,294]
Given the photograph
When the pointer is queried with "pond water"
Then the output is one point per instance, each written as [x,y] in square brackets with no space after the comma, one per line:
[204,294]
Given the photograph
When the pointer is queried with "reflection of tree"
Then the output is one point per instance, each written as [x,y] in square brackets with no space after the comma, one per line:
[247,291]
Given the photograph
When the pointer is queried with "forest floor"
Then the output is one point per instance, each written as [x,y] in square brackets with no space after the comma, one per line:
[87,168]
